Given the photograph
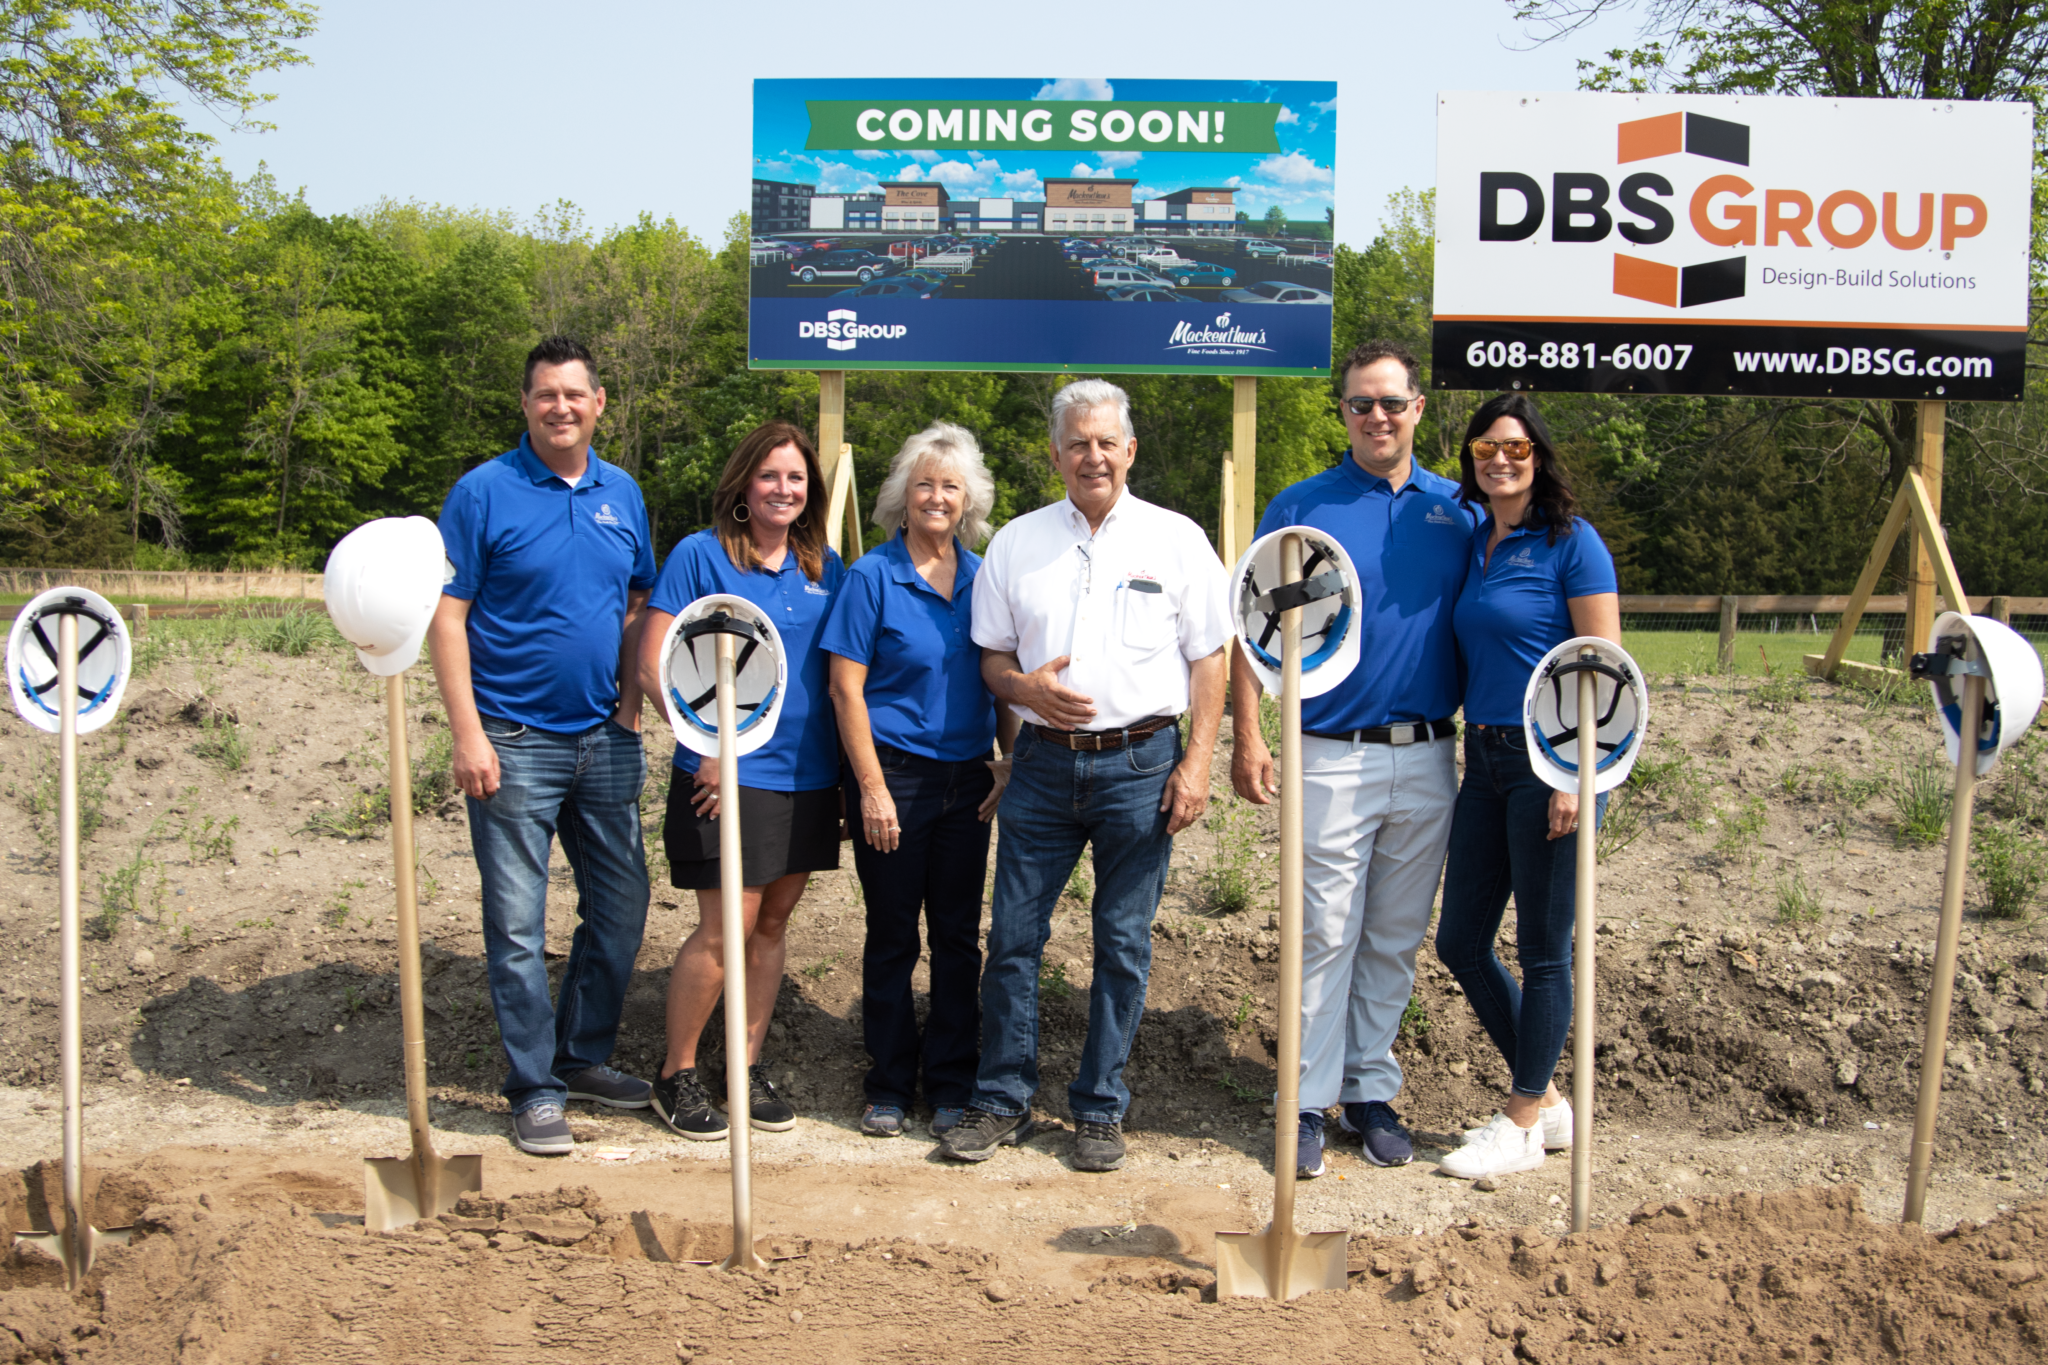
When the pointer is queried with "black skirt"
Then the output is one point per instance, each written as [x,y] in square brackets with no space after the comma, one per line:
[780,833]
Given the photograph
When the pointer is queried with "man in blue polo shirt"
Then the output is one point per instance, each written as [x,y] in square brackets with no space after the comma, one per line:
[533,646]
[1379,761]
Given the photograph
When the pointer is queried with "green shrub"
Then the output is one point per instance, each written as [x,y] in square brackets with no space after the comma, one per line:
[2011,868]
[1230,882]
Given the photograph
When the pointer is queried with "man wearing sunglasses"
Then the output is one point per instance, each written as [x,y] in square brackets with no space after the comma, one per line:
[1379,774]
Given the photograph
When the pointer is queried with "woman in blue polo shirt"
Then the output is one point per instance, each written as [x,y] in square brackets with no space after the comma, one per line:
[1540,575]
[765,544]
[916,721]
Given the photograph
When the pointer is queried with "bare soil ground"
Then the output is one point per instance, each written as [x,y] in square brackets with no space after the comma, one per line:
[1767,919]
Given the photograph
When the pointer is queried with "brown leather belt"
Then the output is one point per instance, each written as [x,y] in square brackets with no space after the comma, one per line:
[1095,741]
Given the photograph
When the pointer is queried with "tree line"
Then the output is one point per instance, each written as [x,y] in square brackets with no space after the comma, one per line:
[201,371]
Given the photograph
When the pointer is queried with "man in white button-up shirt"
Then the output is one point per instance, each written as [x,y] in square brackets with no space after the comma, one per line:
[1101,620]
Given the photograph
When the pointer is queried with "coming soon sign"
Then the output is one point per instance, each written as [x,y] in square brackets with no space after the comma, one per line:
[1732,244]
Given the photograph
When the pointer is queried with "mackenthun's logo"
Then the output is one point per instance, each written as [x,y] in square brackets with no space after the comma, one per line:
[1221,333]
[842,328]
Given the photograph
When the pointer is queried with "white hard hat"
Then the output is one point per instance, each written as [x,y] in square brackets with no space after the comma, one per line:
[689,673]
[382,585]
[2011,667]
[104,659]
[1550,713]
[1327,594]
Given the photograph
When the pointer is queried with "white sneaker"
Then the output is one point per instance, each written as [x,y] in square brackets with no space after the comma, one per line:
[1557,1127]
[1508,1149]
[1485,1130]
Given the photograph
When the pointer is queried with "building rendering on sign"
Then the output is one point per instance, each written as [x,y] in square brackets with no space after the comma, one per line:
[1212,209]
[846,213]
[780,206]
[1088,207]
[914,206]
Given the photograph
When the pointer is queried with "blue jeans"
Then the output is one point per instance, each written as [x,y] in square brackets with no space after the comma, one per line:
[1500,844]
[1058,801]
[586,788]
[938,867]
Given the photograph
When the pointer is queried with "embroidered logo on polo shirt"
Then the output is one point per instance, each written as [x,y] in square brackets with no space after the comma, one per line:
[1439,517]
[1521,559]
[604,516]
[816,591]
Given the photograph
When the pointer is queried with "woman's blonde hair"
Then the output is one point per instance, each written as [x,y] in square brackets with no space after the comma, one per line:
[949,447]
[807,535]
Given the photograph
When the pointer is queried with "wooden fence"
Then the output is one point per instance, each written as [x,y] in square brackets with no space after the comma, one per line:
[122,585]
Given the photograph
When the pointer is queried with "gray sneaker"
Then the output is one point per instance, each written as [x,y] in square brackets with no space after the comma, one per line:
[612,1089]
[542,1130]
[1098,1146]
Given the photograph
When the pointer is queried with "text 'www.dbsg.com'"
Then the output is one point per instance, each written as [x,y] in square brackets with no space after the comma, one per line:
[1863,360]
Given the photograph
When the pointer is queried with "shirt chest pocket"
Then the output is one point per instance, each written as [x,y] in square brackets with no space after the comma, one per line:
[1149,618]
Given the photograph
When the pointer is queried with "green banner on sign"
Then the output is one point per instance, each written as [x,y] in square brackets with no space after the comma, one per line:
[1041,125]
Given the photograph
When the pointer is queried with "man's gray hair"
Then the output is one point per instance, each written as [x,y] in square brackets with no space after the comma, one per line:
[1086,395]
[947,447]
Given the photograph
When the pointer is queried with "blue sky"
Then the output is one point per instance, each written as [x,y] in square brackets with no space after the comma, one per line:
[631,106]
[1300,177]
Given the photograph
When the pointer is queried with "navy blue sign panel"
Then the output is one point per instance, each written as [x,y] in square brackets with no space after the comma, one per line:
[1023,334]
[1107,226]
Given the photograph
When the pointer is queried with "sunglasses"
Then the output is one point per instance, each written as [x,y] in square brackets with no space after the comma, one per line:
[1390,406]
[1516,450]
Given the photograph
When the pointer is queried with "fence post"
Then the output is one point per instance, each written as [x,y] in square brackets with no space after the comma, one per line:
[1730,611]
[138,619]
[1999,609]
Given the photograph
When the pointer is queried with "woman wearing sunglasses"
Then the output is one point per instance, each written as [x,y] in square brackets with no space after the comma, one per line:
[1540,575]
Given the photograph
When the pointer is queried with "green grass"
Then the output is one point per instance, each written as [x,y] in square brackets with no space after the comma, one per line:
[1797,903]
[1757,653]
[2011,867]
[1920,795]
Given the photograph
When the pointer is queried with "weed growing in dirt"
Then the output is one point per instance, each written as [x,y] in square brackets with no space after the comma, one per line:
[1778,691]
[221,743]
[353,1001]
[118,892]
[1078,886]
[1230,881]
[1052,981]
[1622,825]
[2012,868]
[1666,775]
[42,798]
[342,902]
[2019,792]
[1414,1018]
[1243,1011]
[295,634]
[1742,829]
[145,652]
[359,818]
[212,838]
[1920,795]
[818,971]
[1796,902]
[433,774]
[1269,722]
[1885,693]
[1238,1090]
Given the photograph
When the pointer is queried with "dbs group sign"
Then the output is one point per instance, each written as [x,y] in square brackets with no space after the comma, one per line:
[1732,244]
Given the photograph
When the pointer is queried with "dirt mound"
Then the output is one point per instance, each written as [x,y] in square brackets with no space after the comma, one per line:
[1800,1276]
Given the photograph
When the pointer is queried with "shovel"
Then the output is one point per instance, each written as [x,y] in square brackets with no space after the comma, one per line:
[400,1190]
[77,1243]
[732,888]
[1583,927]
[1281,1263]
[1941,991]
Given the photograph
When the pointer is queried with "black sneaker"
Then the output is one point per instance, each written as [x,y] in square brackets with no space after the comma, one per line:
[612,1089]
[685,1105]
[1379,1128]
[979,1133]
[767,1110]
[1098,1146]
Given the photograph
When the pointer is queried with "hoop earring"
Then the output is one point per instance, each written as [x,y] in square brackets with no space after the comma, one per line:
[740,513]
[801,523]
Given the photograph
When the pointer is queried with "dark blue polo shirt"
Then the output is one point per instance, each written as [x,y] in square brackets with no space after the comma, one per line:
[804,755]
[1513,610]
[1411,549]
[924,689]
[545,569]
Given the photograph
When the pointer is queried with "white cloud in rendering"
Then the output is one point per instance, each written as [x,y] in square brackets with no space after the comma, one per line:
[1119,160]
[1293,169]
[1075,89]
[1286,115]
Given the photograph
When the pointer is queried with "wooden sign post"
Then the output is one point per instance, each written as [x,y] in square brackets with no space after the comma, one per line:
[1235,521]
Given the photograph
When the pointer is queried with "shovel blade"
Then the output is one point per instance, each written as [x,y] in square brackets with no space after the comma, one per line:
[391,1194]
[53,1245]
[1247,1262]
